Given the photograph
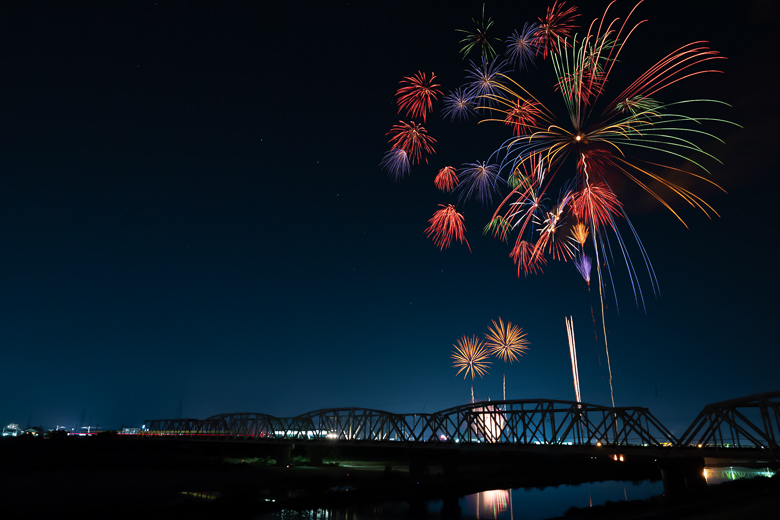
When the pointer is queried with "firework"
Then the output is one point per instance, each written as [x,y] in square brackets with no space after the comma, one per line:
[557,24]
[485,81]
[396,163]
[413,139]
[447,224]
[471,357]
[489,421]
[528,258]
[522,116]
[579,155]
[639,105]
[521,46]
[580,233]
[596,203]
[587,147]
[417,95]
[478,37]
[600,140]
[478,180]
[446,180]
[583,262]
[506,341]
[458,105]
[552,239]
[575,371]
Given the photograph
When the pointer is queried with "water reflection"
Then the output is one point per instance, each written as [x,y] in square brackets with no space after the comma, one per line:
[715,476]
[498,504]
[490,504]
[538,504]
[387,510]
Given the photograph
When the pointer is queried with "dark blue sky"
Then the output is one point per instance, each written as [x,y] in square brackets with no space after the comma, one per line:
[192,214]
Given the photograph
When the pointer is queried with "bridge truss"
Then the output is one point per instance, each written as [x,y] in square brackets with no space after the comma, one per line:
[747,422]
[517,422]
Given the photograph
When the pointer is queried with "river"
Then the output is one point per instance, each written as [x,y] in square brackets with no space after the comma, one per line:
[510,504]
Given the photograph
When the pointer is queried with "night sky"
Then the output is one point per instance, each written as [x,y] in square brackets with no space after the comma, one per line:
[193,219]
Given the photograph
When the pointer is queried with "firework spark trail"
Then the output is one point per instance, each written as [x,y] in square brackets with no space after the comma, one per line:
[573,354]
[479,180]
[396,163]
[521,47]
[471,358]
[413,139]
[447,224]
[580,233]
[446,180]
[598,270]
[582,67]
[583,264]
[605,140]
[556,25]
[478,37]
[506,342]
[417,95]
[485,83]
[522,115]
[458,105]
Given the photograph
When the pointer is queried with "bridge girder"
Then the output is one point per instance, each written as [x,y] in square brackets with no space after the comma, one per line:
[527,421]
[752,421]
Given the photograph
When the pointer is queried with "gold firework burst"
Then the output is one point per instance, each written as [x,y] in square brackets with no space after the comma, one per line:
[506,342]
[580,233]
[471,357]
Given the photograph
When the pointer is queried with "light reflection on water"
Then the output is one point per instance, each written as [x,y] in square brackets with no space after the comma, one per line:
[493,504]
[499,504]
[530,504]
[715,476]
[506,504]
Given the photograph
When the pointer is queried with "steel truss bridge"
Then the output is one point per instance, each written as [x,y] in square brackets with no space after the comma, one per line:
[751,422]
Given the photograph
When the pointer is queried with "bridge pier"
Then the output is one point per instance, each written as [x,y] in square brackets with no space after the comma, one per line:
[682,475]
[284,454]
[315,455]
[450,466]
[417,466]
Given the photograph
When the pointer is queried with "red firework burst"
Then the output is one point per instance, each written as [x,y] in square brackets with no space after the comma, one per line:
[598,201]
[527,257]
[552,238]
[446,180]
[413,139]
[522,116]
[557,245]
[447,224]
[558,23]
[417,95]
